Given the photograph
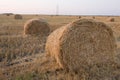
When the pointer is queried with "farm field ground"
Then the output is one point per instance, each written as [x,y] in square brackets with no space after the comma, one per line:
[22,57]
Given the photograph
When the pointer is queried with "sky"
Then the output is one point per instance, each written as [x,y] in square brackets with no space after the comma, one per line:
[64,7]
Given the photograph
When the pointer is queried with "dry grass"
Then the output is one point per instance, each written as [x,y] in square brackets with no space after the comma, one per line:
[2,77]
[44,69]
[17,46]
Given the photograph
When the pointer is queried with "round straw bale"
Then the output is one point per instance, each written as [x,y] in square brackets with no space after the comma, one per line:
[81,43]
[79,17]
[17,16]
[93,17]
[36,27]
[112,20]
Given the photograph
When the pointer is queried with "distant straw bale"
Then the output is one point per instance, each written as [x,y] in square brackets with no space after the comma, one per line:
[112,20]
[36,27]
[17,16]
[81,43]
[79,17]
[93,17]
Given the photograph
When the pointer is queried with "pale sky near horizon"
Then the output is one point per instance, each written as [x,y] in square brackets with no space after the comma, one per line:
[66,7]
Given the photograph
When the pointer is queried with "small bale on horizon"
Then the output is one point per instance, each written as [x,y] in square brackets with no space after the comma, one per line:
[93,17]
[79,17]
[18,17]
[112,20]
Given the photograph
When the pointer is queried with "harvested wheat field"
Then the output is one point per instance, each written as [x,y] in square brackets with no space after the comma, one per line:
[76,49]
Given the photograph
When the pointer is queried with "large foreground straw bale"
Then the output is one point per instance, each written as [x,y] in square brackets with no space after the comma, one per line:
[36,26]
[80,44]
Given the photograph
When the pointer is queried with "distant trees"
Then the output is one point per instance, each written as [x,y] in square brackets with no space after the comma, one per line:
[7,14]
